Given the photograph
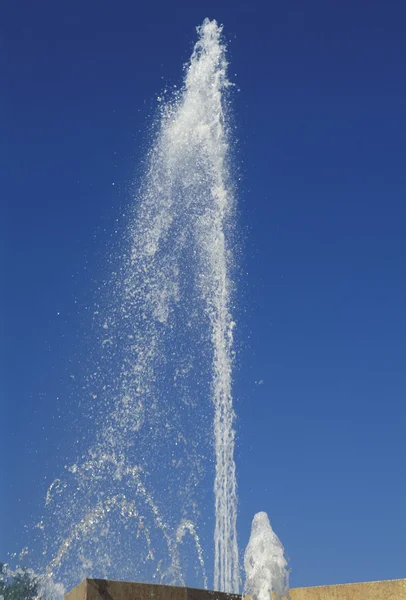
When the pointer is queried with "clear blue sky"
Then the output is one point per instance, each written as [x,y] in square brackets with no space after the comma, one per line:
[320,117]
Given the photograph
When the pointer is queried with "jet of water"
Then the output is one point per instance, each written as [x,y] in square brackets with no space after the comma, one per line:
[265,563]
[181,253]
[163,389]
[206,82]
[193,160]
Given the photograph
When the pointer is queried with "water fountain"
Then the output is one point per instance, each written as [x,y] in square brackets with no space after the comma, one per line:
[133,504]
[265,563]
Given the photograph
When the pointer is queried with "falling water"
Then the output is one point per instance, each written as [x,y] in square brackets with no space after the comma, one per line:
[186,207]
[161,389]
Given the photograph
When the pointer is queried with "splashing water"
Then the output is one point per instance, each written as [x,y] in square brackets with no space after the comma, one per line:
[162,387]
[265,563]
[35,585]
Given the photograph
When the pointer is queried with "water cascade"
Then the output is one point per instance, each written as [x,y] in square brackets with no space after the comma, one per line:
[161,389]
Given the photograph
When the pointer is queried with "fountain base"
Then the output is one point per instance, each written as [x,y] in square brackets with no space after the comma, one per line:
[101,589]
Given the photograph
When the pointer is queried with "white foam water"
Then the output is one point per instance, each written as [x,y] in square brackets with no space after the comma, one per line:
[265,563]
[180,247]
[162,388]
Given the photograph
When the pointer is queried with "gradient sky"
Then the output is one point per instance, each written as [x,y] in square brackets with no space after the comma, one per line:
[319,109]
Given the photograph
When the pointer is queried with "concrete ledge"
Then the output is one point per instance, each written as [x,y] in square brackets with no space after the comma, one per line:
[101,589]
[372,590]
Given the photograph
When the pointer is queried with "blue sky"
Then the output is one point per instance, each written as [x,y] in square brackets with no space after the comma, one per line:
[320,127]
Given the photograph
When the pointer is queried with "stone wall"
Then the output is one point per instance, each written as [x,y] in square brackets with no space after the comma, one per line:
[101,589]
[374,590]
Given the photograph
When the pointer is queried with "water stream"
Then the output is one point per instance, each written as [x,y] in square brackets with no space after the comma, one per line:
[137,503]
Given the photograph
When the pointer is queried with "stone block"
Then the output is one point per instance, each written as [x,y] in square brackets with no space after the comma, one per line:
[102,589]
